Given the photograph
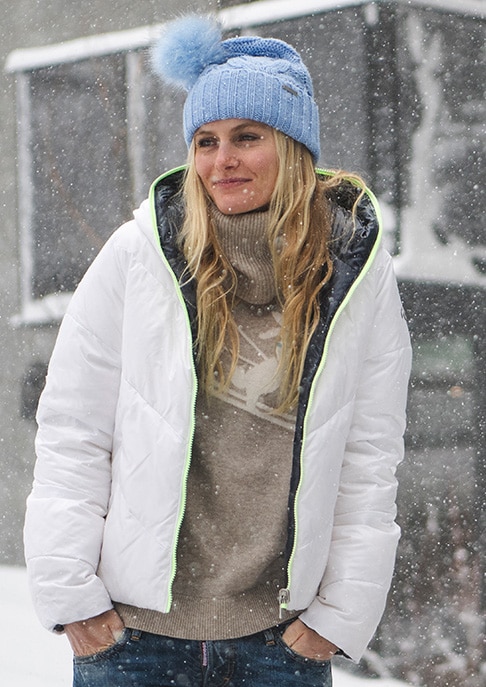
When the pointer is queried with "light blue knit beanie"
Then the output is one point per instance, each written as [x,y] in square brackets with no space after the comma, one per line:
[263,79]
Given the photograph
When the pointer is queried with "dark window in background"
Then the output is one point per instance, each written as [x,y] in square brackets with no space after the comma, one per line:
[80,168]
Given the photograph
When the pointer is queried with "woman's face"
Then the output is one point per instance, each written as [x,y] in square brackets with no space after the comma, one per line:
[236,160]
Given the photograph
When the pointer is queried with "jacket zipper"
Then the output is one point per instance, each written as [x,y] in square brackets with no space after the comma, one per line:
[187,461]
[283,602]
[182,508]
[284,593]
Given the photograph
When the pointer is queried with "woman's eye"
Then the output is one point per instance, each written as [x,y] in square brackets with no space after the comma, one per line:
[205,142]
[249,137]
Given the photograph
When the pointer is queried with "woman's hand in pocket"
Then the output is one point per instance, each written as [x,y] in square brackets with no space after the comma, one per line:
[307,642]
[88,637]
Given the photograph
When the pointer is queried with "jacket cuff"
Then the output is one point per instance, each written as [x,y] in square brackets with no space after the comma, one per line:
[349,627]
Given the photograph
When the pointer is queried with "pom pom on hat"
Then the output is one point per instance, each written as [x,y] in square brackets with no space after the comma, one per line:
[248,77]
[185,48]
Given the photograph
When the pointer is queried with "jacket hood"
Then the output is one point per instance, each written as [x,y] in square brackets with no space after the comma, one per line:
[351,247]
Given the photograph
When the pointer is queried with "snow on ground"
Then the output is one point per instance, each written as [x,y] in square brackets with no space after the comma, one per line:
[32,657]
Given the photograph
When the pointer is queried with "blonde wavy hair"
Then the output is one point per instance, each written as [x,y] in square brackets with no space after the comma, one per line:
[299,233]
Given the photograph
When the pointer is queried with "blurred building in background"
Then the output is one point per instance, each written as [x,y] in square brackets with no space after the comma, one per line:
[400,85]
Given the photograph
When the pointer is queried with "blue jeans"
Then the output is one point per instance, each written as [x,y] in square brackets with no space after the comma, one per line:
[142,659]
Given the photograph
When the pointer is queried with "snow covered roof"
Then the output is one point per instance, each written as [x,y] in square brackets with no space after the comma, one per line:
[238,16]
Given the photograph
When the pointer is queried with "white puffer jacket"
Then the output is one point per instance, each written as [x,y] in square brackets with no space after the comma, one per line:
[116,425]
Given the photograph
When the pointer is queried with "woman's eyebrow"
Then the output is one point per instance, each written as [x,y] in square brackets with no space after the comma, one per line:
[204,132]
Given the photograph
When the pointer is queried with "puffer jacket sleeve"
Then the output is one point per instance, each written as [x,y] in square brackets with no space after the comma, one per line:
[353,591]
[69,500]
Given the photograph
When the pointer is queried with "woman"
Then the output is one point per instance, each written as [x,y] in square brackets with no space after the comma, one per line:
[223,415]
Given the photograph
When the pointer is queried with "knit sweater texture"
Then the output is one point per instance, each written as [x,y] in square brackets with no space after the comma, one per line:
[230,561]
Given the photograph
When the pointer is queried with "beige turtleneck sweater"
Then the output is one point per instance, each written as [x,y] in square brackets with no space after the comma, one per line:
[230,561]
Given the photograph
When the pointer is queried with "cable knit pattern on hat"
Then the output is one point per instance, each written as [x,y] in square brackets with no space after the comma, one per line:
[263,79]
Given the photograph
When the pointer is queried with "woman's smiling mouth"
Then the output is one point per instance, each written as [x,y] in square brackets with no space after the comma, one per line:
[232,181]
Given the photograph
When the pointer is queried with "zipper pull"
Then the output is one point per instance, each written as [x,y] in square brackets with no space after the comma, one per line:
[283,600]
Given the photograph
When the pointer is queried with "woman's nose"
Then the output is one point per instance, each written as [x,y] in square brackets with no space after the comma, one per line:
[226,156]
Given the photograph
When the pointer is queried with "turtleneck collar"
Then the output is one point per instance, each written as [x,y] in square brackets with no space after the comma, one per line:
[243,239]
